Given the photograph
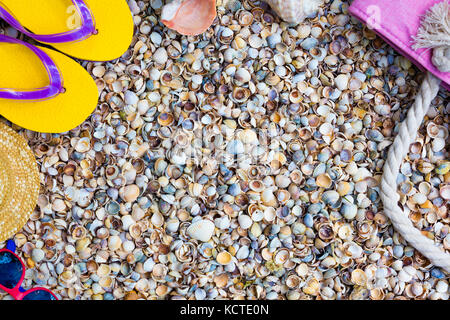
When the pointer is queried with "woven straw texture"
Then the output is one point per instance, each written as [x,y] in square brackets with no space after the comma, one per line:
[19,182]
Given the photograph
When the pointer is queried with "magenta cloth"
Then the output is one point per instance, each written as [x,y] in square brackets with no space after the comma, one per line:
[397,21]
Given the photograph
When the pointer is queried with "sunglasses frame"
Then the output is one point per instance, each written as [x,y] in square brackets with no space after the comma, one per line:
[17,292]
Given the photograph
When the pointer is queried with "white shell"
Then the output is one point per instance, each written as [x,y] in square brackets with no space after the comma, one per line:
[242,75]
[242,253]
[157,219]
[245,221]
[438,144]
[294,11]
[201,230]
[223,222]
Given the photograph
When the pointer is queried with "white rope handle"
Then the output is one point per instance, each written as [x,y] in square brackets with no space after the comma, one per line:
[398,150]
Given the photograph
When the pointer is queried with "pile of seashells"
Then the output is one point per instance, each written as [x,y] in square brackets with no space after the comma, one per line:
[243,163]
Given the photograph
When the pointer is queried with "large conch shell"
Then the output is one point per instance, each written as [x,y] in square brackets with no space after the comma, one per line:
[189,17]
[295,11]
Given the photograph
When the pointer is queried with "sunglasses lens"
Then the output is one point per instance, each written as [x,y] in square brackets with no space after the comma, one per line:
[10,270]
[39,295]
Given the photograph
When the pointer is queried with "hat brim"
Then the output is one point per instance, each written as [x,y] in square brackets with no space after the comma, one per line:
[19,182]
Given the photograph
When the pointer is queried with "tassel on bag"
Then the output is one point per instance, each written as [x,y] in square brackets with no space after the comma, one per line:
[434,33]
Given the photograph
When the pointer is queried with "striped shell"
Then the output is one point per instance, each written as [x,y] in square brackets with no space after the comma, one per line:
[294,11]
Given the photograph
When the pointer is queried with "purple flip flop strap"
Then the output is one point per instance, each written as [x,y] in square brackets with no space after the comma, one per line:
[56,82]
[86,29]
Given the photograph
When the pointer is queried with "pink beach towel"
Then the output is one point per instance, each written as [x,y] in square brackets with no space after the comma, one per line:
[397,22]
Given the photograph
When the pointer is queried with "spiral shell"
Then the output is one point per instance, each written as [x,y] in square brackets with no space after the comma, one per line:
[295,11]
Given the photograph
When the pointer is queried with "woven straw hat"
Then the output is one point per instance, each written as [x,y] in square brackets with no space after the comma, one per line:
[19,182]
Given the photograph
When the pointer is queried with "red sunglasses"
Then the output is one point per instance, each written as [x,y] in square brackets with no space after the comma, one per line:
[12,273]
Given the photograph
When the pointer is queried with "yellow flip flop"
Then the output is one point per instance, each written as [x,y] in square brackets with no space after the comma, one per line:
[46,91]
[94,30]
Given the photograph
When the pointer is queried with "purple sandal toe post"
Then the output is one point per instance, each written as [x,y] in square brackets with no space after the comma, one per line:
[86,29]
[56,82]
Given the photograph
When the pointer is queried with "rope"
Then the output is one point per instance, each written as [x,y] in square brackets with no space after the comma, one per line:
[399,149]
[434,33]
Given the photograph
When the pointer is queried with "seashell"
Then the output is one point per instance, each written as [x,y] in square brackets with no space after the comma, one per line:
[255,41]
[102,233]
[129,193]
[135,230]
[415,147]
[114,243]
[444,191]
[324,181]
[186,17]
[424,188]
[269,214]
[359,277]
[157,219]
[382,109]
[295,11]
[154,186]
[245,18]
[438,144]
[242,75]
[172,225]
[159,271]
[243,253]
[293,281]
[419,198]
[221,280]
[245,221]
[282,181]
[226,35]
[241,200]
[248,136]
[312,287]
[160,56]
[223,223]
[272,79]
[349,210]
[330,197]
[281,256]
[201,230]
[443,168]
[165,119]
[436,131]
[240,94]
[325,232]
[268,198]
[224,258]
[257,185]
[406,187]
[318,53]
[255,230]
[174,53]
[283,196]
[83,145]
[341,81]
[425,167]
[296,176]
[142,285]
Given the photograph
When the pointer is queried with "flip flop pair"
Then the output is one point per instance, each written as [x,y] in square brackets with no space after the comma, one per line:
[43,89]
